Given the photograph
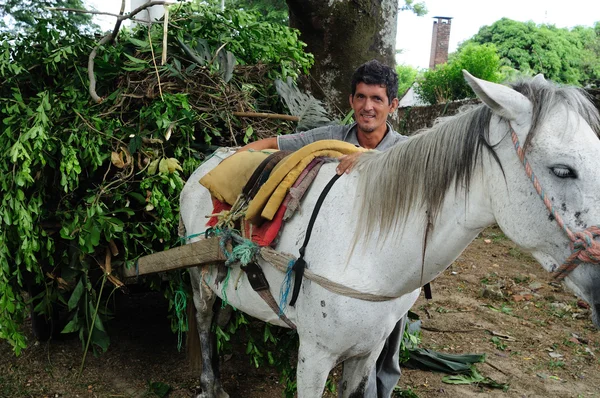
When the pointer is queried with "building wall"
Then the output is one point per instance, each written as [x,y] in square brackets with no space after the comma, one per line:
[415,118]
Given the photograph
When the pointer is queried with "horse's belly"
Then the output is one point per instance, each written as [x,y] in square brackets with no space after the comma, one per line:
[345,325]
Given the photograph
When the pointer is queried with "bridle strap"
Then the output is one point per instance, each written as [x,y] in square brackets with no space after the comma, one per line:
[427,286]
[584,249]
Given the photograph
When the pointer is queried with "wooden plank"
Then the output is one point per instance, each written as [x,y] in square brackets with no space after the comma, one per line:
[205,251]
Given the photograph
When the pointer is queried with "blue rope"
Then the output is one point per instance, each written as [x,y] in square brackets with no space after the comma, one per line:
[285,288]
[185,238]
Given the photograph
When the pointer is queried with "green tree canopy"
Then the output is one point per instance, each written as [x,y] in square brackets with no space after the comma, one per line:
[446,82]
[562,55]
[419,9]
[406,77]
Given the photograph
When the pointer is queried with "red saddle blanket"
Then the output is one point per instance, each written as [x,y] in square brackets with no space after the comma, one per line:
[262,235]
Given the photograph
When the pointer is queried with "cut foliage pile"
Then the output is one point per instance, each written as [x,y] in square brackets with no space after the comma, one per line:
[86,186]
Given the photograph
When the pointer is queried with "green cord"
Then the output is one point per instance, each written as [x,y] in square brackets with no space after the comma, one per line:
[180,311]
[224,290]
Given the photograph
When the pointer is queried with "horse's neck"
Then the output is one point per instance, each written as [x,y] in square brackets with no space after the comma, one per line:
[462,217]
[394,267]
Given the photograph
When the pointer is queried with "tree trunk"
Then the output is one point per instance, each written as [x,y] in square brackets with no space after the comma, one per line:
[343,34]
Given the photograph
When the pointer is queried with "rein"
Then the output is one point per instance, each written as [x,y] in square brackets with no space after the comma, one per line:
[584,249]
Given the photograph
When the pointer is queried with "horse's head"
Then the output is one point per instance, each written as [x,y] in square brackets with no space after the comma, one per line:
[557,127]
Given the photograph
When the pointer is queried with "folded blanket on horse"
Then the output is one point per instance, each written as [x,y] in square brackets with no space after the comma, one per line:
[226,181]
[272,193]
[267,232]
[292,199]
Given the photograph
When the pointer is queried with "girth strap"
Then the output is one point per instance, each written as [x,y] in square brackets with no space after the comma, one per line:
[300,264]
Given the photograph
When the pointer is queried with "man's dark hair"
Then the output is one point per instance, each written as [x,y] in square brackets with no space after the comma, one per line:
[374,72]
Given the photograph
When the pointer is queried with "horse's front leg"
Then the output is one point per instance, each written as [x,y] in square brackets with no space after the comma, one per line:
[204,301]
[358,377]
[314,365]
[375,374]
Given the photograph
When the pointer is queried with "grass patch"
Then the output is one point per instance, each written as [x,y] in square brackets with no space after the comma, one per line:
[404,393]
[554,364]
[515,253]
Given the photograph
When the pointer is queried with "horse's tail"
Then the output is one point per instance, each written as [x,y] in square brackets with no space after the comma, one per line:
[193,350]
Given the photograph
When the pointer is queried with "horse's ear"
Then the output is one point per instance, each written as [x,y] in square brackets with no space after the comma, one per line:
[502,100]
[539,78]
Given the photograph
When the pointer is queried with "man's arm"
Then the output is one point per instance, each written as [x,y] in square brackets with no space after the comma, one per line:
[265,143]
[346,164]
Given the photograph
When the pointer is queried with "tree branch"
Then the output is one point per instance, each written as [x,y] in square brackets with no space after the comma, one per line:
[115,31]
[267,116]
[121,16]
[144,6]
[92,88]
[110,38]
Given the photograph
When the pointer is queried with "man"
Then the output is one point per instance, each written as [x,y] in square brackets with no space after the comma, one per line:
[373,98]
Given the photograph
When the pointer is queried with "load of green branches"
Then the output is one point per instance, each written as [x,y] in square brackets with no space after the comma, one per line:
[96,141]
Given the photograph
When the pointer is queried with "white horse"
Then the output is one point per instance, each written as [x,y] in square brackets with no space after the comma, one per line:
[458,177]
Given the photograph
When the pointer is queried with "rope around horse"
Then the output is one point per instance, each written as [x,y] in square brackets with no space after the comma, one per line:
[247,250]
[584,249]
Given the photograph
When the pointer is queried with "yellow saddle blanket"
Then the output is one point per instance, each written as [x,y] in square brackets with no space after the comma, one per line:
[228,179]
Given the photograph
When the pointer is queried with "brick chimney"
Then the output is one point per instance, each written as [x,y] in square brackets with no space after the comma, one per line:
[440,41]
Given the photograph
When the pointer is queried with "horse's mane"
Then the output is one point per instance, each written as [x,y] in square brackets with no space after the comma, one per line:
[418,172]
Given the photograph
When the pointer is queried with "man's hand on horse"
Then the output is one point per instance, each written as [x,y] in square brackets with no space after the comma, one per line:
[347,163]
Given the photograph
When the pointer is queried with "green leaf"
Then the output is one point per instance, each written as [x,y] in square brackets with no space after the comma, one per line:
[474,377]
[75,296]
[134,144]
[139,43]
[72,326]
[152,168]
[100,339]
[140,198]
[95,236]
[136,60]
[248,134]
[159,389]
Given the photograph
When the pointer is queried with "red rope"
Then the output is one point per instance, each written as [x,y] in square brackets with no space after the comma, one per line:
[584,249]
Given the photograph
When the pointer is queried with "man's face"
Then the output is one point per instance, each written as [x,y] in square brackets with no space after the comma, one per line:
[371,107]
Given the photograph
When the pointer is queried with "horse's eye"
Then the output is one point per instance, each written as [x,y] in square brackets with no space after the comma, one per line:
[562,171]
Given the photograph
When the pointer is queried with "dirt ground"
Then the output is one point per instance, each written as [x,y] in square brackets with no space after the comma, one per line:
[538,338]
